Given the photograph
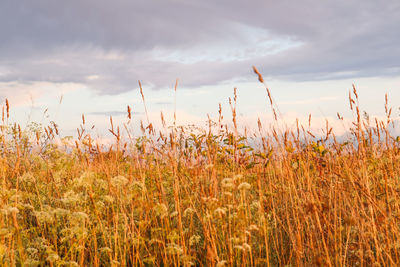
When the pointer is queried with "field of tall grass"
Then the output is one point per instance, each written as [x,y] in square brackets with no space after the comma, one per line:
[185,196]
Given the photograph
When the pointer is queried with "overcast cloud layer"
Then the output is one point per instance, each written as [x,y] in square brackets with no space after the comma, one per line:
[109,45]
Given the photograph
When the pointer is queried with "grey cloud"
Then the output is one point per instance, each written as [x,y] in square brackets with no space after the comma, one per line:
[131,25]
[109,45]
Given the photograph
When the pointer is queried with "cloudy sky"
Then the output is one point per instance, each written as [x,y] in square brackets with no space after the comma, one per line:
[93,52]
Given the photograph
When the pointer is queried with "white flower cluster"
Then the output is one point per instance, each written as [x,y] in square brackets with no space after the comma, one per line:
[119,181]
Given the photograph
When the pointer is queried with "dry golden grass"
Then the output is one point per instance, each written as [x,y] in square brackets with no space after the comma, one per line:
[202,198]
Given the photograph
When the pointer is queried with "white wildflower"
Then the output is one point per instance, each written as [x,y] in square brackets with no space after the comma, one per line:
[173,236]
[244,186]
[227,183]
[246,246]
[80,215]
[44,217]
[100,183]
[253,227]
[188,212]
[72,264]
[100,205]
[228,194]
[220,211]
[255,205]
[194,240]
[79,232]
[136,185]
[32,252]
[12,210]
[28,206]
[204,199]
[4,232]
[109,199]
[31,262]
[27,178]
[119,181]
[53,257]
[161,210]
[174,249]
[61,212]
[221,263]
[135,241]
[71,198]
[86,179]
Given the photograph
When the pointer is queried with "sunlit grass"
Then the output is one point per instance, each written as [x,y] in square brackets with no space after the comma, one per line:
[189,197]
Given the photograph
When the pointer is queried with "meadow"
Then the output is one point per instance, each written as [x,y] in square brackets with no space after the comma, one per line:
[187,196]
